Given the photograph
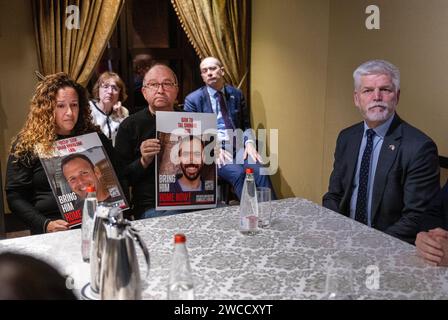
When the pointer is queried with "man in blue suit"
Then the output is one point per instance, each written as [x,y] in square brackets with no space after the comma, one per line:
[228,103]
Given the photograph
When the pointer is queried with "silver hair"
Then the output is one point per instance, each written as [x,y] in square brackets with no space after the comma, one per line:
[377,67]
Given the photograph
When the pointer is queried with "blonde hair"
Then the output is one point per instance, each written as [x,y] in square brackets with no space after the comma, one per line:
[40,126]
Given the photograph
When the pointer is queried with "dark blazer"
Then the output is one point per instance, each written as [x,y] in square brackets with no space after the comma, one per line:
[437,211]
[406,178]
[199,101]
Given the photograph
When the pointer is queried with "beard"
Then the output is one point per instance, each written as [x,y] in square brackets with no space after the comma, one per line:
[191,176]
[379,111]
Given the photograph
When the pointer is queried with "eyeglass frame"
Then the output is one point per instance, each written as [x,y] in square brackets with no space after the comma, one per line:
[107,86]
[166,85]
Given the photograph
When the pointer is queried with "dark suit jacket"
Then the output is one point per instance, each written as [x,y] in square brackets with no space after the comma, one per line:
[437,211]
[406,178]
[199,101]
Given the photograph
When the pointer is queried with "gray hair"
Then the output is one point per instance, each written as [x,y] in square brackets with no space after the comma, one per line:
[377,67]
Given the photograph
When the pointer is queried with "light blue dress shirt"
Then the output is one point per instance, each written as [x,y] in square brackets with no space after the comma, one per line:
[378,138]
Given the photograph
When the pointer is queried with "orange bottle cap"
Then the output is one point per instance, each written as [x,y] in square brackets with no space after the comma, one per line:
[179,238]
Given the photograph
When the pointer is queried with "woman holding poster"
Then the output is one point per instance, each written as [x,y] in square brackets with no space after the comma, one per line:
[59,109]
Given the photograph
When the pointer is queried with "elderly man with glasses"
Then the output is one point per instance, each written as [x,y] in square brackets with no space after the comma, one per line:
[136,142]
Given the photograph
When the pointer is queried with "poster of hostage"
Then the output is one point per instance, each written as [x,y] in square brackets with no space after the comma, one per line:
[75,164]
[186,173]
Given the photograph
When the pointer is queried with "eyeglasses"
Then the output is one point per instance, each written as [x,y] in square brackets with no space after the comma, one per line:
[106,87]
[166,85]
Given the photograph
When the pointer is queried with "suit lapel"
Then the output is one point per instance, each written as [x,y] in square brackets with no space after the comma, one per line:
[388,154]
[352,152]
[208,104]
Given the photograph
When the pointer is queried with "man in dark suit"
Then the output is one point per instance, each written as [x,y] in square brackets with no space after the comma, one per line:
[233,120]
[385,171]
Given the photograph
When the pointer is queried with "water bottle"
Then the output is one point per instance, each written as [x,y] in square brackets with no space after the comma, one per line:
[88,213]
[180,286]
[249,205]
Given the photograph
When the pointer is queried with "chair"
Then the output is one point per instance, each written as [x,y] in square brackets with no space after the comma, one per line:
[226,191]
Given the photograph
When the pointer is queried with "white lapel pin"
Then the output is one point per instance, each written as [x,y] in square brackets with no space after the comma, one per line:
[392,147]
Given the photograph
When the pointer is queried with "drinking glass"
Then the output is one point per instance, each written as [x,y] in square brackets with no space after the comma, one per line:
[264,207]
[339,279]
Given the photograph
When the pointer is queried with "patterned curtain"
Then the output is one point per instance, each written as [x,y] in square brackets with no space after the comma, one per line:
[218,28]
[71,42]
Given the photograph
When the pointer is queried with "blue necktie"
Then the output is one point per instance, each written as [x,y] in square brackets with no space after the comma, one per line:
[361,201]
[224,112]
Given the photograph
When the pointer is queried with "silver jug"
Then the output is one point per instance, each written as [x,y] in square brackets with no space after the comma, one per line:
[102,215]
[120,274]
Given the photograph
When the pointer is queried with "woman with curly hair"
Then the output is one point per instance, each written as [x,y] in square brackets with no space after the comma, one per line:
[109,92]
[59,109]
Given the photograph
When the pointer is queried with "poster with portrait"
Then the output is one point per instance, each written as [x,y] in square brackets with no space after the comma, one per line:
[75,164]
[186,173]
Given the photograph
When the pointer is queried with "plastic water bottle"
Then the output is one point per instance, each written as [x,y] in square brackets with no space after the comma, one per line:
[88,213]
[180,286]
[249,205]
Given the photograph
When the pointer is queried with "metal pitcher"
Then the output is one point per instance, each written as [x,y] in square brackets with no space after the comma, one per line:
[120,274]
[102,215]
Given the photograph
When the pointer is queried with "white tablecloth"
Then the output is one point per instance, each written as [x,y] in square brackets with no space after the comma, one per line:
[287,261]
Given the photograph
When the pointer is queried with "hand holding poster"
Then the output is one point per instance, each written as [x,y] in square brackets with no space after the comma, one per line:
[75,164]
[185,167]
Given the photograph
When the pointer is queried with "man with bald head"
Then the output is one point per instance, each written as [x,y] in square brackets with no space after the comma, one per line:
[136,142]
[228,104]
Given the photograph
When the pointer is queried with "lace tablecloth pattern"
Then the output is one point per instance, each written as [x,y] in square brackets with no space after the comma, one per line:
[288,260]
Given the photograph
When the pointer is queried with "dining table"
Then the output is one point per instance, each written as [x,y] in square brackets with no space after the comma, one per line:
[294,258]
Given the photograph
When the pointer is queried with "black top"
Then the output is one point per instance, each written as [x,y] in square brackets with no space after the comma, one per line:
[135,129]
[29,193]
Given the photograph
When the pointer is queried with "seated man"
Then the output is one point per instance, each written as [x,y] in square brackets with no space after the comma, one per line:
[433,245]
[136,142]
[80,173]
[385,171]
[232,114]
[191,157]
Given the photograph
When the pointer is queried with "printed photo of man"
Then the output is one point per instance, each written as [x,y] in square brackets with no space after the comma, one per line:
[191,162]
[80,172]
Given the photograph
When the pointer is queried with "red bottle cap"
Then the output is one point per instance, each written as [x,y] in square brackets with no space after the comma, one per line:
[249,170]
[179,238]
[90,189]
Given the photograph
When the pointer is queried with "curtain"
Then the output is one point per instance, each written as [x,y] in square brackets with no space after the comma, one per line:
[218,28]
[63,44]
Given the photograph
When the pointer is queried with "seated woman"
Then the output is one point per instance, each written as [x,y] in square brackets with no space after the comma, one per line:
[107,112]
[59,109]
